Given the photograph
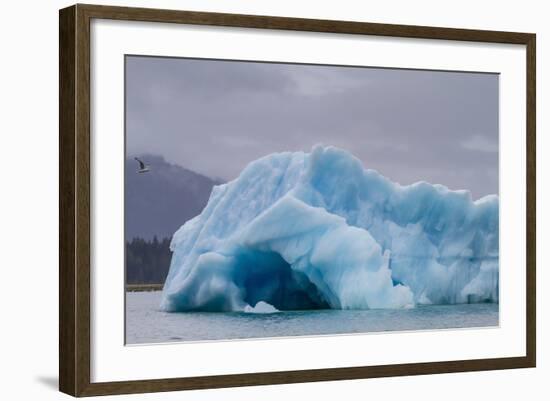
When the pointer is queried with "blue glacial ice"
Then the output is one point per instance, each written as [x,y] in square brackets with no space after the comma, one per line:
[318,230]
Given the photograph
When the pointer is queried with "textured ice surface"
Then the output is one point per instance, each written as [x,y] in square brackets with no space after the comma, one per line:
[317,230]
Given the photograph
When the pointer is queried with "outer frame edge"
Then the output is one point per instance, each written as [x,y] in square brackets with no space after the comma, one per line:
[67,131]
[531,199]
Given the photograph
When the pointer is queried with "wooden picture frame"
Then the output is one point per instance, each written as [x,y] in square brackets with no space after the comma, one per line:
[75,206]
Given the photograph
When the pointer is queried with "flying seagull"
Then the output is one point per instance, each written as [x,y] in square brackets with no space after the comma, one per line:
[143,168]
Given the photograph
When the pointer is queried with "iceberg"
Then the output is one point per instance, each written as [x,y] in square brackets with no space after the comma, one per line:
[317,230]
[261,308]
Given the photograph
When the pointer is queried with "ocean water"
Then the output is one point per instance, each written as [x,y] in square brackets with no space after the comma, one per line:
[145,323]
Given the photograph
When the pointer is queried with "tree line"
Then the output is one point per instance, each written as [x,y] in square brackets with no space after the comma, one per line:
[147,261]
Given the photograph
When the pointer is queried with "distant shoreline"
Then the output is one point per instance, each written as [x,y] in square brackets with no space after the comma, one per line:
[143,287]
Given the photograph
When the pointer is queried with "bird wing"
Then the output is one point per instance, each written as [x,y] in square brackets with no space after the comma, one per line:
[141,164]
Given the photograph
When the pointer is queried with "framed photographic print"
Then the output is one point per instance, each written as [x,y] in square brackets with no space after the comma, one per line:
[250,200]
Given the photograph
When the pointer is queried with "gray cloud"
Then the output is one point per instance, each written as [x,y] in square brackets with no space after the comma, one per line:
[215,117]
[480,143]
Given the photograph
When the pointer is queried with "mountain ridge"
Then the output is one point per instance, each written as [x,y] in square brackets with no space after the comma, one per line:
[158,202]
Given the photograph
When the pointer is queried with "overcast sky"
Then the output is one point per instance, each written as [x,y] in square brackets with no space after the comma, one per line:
[214,117]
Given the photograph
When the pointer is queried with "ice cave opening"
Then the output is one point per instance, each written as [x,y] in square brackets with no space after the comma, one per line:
[266,276]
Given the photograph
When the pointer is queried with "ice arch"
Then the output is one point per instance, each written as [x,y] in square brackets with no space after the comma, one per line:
[316,230]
